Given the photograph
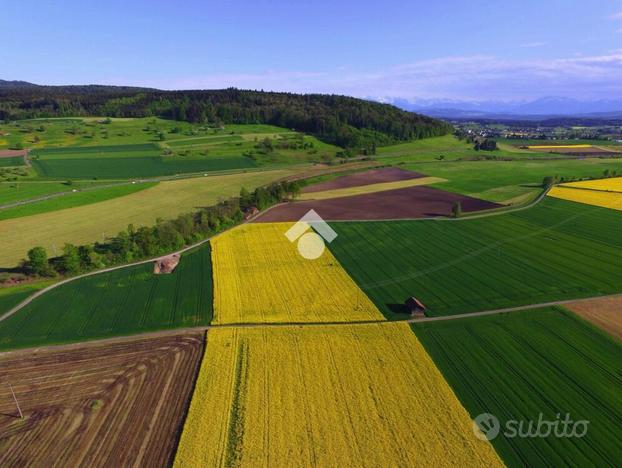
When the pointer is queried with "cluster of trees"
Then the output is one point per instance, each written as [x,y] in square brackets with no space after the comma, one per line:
[478,142]
[133,244]
[340,120]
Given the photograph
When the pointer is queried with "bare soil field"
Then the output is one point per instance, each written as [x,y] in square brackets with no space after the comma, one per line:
[12,153]
[104,404]
[406,203]
[375,176]
[605,313]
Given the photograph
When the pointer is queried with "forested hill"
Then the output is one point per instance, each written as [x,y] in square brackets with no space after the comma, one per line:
[341,120]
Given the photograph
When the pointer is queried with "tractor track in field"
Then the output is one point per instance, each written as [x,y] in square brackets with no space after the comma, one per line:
[206,328]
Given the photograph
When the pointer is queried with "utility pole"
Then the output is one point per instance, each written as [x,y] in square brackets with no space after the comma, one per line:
[21,415]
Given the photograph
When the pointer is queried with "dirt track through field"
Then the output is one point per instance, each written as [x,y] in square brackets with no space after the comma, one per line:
[98,404]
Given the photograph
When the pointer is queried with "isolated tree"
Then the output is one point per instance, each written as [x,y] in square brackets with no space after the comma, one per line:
[456,209]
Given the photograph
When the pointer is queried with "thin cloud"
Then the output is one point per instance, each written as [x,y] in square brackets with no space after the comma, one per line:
[459,77]
[616,16]
[531,45]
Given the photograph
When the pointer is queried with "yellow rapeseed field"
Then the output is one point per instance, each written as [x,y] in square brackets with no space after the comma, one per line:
[613,184]
[611,200]
[259,276]
[371,188]
[355,395]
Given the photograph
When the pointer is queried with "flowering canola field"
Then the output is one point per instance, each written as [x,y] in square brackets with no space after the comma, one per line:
[259,276]
[604,199]
[613,184]
[358,395]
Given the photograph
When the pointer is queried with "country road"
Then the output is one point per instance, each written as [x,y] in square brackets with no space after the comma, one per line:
[205,328]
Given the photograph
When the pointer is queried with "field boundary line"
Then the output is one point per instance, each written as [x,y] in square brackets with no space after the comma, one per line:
[207,328]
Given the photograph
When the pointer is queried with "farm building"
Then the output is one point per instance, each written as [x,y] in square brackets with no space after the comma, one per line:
[414,307]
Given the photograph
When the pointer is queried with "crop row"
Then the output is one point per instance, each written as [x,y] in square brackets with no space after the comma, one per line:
[488,263]
[530,366]
[120,302]
[364,395]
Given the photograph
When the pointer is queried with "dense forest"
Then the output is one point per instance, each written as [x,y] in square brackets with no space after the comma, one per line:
[340,120]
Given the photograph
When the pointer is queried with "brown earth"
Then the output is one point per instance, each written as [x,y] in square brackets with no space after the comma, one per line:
[406,203]
[375,176]
[166,264]
[100,404]
[12,153]
[605,313]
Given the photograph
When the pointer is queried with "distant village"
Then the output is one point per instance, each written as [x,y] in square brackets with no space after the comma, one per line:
[534,131]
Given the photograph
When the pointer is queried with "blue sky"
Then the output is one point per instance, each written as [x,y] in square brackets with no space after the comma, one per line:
[466,50]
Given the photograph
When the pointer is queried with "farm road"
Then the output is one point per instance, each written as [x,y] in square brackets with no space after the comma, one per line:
[179,331]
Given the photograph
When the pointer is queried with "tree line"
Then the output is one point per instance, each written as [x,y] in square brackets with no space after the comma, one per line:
[134,244]
[344,121]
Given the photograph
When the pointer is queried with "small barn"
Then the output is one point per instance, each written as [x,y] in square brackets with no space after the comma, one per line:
[252,211]
[166,264]
[414,307]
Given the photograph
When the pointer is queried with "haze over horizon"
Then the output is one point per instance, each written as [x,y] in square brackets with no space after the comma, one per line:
[414,51]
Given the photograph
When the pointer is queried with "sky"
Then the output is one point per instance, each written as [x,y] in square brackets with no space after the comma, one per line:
[472,50]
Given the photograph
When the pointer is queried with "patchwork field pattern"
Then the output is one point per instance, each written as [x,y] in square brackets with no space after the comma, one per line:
[370,188]
[118,404]
[259,276]
[79,226]
[534,255]
[120,302]
[526,364]
[358,179]
[363,395]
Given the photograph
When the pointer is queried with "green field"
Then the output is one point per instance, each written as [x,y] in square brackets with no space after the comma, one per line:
[449,148]
[502,181]
[520,365]
[72,200]
[96,221]
[118,168]
[10,296]
[556,250]
[12,161]
[121,302]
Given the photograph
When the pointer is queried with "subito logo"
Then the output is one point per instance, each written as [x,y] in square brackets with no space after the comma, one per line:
[486,426]
[311,231]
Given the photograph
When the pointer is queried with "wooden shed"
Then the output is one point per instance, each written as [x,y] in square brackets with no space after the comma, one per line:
[414,307]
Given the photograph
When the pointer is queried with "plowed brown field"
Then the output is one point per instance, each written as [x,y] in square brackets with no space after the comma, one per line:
[119,404]
[605,313]
[374,176]
[405,203]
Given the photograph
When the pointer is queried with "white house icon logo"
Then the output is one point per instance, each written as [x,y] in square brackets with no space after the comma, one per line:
[311,231]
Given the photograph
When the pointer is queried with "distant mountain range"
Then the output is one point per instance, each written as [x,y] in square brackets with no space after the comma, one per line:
[546,107]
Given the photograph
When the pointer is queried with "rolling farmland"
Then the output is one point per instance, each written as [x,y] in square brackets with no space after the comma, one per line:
[259,276]
[105,404]
[120,302]
[325,396]
[606,193]
[166,200]
[521,365]
[446,264]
